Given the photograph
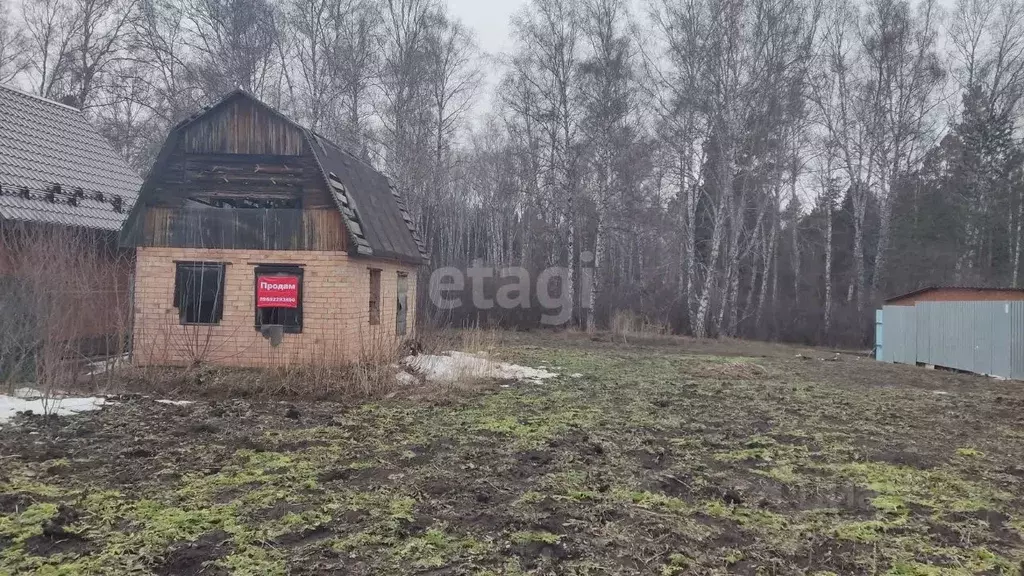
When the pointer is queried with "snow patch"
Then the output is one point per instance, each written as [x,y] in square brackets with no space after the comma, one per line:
[177,402]
[454,366]
[102,366]
[405,379]
[26,393]
[11,405]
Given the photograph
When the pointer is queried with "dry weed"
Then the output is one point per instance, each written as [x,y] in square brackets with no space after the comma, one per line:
[626,323]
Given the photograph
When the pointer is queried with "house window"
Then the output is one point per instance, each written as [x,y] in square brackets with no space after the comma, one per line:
[374,296]
[402,304]
[279,297]
[199,292]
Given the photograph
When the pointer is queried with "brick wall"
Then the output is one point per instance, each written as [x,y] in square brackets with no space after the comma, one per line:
[335,302]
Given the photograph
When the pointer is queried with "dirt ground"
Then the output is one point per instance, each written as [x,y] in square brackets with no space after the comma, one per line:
[665,456]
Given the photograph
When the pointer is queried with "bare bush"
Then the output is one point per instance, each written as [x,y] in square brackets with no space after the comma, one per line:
[474,339]
[628,323]
[66,298]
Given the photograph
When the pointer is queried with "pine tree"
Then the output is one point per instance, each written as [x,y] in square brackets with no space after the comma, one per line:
[980,177]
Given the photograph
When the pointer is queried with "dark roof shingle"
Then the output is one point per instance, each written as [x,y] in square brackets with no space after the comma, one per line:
[372,207]
[43,143]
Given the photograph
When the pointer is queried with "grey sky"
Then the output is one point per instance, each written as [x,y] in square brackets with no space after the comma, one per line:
[489,20]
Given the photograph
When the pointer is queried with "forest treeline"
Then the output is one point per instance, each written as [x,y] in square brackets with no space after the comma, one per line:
[755,168]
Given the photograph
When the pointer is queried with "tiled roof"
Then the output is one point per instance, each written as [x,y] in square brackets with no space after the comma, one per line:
[43,143]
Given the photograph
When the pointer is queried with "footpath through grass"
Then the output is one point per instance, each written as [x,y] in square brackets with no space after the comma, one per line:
[665,458]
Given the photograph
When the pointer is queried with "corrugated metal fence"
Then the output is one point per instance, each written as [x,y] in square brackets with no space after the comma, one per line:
[980,337]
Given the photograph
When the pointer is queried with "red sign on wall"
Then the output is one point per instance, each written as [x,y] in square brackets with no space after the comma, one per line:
[277,292]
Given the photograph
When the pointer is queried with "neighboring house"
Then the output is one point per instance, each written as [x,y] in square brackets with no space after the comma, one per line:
[64,194]
[260,243]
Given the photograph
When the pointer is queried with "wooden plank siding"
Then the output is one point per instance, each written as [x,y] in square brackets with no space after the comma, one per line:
[249,229]
[240,126]
[208,176]
[240,149]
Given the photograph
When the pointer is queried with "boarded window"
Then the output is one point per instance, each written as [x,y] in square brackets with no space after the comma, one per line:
[199,292]
[402,304]
[279,297]
[374,296]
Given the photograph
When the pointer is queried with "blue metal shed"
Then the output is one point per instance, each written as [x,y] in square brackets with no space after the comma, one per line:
[984,337]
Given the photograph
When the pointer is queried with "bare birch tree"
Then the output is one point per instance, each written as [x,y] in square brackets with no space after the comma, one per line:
[13,46]
[548,33]
[610,122]
[901,59]
[50,26]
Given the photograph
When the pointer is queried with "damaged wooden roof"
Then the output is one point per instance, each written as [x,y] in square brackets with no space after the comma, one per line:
[55,168]
[374,211]
[375,216]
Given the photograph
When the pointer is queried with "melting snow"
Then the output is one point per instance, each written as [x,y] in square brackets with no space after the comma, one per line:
[176,402]
[453,366]
[11,405]
[405,379]
[27,393]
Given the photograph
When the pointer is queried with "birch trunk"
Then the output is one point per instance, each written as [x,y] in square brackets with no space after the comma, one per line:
[884,230]
[1017,238]
[570,276]
[828,266]
[858,281]
[700,326]
[595,289]
[734,269]
[796,228]
[767,265]
[690,253]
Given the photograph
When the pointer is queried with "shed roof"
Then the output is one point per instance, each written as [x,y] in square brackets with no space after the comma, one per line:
[921,291]
[45,143]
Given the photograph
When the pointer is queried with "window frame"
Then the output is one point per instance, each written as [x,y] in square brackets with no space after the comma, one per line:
[278,270]
[375,295]
[179,291]
[401,313]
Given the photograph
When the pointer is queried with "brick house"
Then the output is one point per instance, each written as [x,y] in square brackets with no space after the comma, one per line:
[64,195]
[260,243]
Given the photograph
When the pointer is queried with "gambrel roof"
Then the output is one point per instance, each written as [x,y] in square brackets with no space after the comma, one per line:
[55,168]
[373,211]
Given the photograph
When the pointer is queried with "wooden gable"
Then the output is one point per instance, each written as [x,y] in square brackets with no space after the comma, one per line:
[240,152]
[238,175]
[241,125]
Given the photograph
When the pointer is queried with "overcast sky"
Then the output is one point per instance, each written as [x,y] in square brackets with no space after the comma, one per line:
[489,21]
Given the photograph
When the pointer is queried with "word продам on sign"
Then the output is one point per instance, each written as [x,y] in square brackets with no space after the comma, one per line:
[277,292]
